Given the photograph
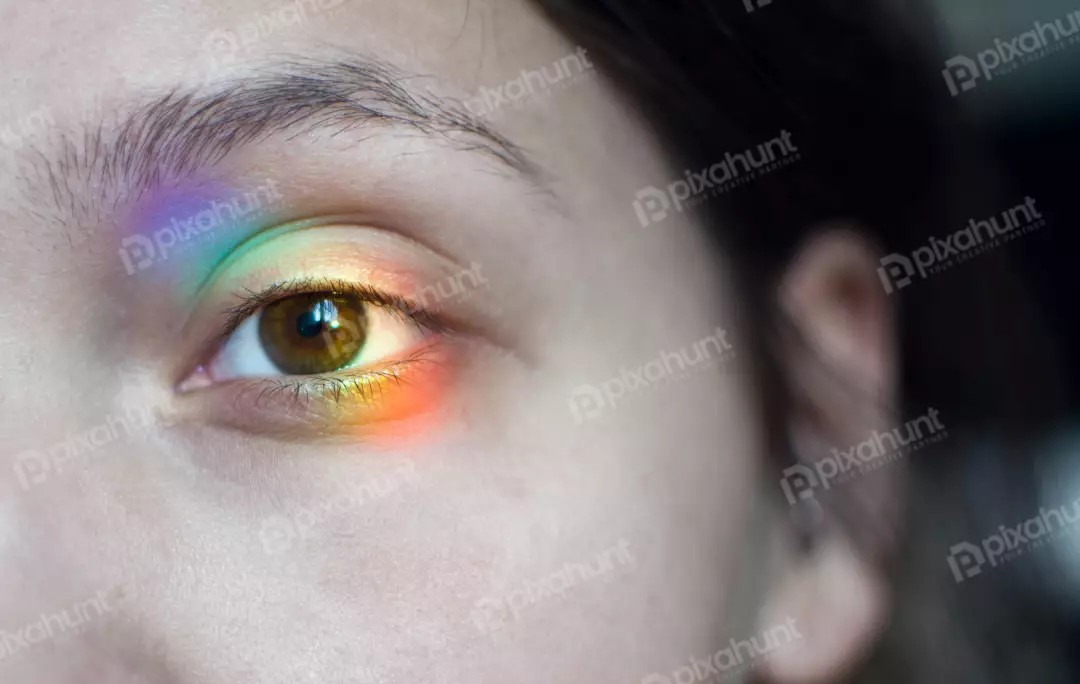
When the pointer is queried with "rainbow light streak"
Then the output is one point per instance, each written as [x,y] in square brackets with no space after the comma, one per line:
[182,231]
[403,409]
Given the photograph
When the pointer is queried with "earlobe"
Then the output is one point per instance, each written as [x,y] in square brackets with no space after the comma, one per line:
[837,604]
[840,366]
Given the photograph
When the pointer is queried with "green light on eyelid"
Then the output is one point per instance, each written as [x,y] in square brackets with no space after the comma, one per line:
[232,253]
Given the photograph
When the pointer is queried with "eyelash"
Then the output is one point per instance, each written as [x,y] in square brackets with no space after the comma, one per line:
[352,383]
[256,301]
[298,390]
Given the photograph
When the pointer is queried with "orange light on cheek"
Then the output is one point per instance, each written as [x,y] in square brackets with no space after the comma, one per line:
[408,408]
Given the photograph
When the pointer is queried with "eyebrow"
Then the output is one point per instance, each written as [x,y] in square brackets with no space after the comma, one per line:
[185,130]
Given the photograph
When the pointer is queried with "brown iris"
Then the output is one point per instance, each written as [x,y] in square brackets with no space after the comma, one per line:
[313,333]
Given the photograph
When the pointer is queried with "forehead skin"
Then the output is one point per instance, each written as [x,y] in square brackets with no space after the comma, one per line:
[168,525]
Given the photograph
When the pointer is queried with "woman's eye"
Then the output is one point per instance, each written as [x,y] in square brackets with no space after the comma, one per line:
[315,334]
[314,330]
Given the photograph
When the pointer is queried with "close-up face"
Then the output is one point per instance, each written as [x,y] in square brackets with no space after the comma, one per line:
[334,349]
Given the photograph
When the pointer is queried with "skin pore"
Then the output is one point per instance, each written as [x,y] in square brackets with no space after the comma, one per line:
[276,533]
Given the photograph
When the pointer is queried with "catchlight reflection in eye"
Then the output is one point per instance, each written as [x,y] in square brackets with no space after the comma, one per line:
[313,333]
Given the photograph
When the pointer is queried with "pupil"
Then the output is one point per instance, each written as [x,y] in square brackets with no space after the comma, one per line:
[312,334]
[310,323]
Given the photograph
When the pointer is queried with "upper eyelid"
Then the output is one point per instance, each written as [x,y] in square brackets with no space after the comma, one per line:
[388,258]
[387,265]
[315,285]
[267,235]
[312,285]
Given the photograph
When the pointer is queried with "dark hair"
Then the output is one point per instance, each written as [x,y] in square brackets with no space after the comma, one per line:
[882,146]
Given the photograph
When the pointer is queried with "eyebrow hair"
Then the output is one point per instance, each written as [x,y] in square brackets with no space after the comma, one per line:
[185,130]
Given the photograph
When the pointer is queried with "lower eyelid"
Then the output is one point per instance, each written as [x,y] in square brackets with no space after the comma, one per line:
[367,402]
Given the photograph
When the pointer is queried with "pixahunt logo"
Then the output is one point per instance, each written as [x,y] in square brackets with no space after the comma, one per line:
[966,560]
[432,297]
[53,625]
[35,467]
[139,252]
[737,658]
[224,45]
[653,205]
[962,73]
[493,613]
[279,533]
[587,402]
[897,271]
[799,481]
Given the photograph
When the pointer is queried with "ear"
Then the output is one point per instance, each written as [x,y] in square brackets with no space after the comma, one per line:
[840,363]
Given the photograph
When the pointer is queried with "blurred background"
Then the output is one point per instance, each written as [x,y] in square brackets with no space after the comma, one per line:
[1030,110]
[1032,115]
